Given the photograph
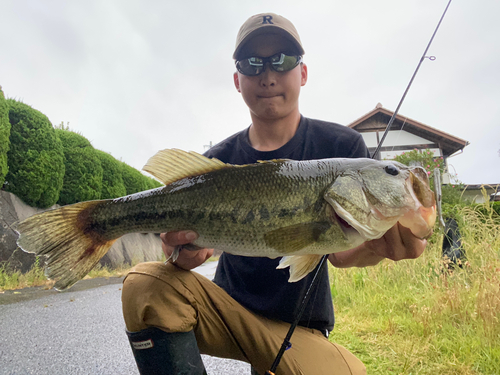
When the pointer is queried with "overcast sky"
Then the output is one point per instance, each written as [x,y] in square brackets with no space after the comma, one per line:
[135,77]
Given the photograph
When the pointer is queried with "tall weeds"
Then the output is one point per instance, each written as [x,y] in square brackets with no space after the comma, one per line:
[424,316]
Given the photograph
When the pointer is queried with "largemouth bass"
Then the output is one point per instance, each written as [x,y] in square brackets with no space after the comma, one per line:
[298,210]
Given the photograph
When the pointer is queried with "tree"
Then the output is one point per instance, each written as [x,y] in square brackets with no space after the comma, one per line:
[4,137]
[35,158]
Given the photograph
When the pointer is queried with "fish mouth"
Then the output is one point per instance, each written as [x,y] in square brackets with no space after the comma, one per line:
[419,183]
[338,215]
[421,219]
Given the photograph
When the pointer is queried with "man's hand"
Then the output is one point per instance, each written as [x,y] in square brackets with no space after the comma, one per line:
[188,259]
[398,243]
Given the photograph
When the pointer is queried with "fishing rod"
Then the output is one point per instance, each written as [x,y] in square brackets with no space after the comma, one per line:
[388,127]
[286,342]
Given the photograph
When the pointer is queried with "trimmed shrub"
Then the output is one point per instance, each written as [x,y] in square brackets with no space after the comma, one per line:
[133,180]
[70,139]
[151,183]
[4,137]
[35,159]
[83,178]
[112,181]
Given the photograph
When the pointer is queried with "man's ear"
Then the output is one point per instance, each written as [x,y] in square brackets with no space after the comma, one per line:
[303,74]
[236,81]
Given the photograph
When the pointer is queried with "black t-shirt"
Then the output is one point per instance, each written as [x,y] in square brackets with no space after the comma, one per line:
[255,282]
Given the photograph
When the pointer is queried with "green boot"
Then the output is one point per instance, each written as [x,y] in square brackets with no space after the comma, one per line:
[157,352]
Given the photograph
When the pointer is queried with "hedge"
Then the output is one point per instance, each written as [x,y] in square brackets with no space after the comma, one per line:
[133,180]
[151,183]
[35,158]
[84,172]
[112,181]
[4,137]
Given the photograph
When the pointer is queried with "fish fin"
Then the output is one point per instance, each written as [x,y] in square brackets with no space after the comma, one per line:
[300,265]
[175,254]
[71,250]
[171,165]
[295,237]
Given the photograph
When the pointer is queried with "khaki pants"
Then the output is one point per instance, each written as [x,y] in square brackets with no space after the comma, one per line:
[175,300]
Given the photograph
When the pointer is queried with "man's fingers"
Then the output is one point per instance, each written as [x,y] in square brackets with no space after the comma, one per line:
[178,238]
[210,252]
[413,246]
[398,243]
[402,244]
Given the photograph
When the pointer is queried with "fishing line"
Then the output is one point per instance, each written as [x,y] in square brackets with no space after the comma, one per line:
[286,342]
[409,84]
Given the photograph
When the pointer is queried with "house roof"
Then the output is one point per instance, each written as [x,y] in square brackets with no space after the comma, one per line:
[378,118]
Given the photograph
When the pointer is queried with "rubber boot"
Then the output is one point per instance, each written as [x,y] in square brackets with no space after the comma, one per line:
[157,352]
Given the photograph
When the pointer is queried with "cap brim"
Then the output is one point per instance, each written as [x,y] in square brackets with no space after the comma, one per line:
[272,29]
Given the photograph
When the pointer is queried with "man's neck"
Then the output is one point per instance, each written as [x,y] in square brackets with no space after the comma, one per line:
[272,134]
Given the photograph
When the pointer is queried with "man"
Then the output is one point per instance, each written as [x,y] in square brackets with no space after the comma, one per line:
[171,312]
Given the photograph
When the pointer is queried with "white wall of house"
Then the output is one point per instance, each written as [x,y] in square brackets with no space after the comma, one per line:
[397,138]
[476,195]
[473,196]
[394,138]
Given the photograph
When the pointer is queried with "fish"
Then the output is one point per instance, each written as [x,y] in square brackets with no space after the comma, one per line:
[296,210]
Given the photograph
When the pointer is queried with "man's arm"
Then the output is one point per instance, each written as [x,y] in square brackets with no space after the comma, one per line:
[397,244]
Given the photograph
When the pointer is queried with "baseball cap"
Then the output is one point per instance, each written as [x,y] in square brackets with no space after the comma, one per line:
[266,23]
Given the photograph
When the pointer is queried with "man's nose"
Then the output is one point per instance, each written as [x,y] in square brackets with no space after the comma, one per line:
[268,76]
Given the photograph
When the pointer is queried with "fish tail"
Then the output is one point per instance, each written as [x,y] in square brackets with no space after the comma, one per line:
[70,245]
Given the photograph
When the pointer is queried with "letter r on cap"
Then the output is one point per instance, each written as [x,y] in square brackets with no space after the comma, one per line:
[267,19]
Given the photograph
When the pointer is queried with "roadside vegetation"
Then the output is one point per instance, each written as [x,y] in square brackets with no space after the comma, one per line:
[16,279]
[13,279]
[425,316]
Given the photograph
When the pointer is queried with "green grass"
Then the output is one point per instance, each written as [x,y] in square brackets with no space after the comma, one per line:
[417,316]
[16,279]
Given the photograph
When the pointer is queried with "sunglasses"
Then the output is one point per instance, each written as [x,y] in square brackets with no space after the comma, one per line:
[253,66]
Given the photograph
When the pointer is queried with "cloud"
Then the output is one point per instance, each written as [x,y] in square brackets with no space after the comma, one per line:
[135,77]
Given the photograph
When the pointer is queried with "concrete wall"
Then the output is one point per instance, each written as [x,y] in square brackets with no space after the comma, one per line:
[135,247]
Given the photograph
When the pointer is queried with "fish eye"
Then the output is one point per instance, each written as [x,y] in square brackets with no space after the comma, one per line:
[391,169]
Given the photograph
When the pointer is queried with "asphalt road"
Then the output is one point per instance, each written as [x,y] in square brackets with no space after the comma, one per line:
[80,331]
